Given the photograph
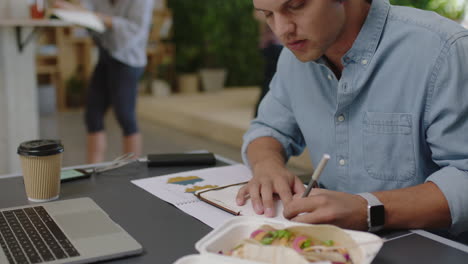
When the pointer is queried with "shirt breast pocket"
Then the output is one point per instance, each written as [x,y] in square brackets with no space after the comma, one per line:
[388,146]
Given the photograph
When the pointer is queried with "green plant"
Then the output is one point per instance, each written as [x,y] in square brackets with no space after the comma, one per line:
[217,34]
[186,14]
[215,39]
[453,9]
[75,87]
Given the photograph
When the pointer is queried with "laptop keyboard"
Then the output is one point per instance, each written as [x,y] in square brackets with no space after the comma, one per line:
[30,235]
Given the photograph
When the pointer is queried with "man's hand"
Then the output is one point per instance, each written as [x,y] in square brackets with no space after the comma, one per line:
[269,178]
[329,207]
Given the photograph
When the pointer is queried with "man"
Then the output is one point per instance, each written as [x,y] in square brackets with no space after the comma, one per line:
[383,90]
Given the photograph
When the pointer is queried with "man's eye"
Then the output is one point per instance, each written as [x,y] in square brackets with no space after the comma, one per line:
[268,14]
[296,5]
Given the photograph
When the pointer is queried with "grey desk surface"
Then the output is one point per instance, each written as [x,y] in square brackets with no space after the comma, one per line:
[167,233]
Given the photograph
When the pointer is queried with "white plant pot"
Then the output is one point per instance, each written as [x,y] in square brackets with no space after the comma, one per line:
[188,83]
[160,88]
[213,79]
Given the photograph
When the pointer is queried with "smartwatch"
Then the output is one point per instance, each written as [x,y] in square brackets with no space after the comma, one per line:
[375,212]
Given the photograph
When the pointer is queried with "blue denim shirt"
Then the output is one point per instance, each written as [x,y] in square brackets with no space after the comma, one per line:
[397,117]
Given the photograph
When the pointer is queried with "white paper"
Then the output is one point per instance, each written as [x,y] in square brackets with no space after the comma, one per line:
[81,18]
[206,213]
[177,193]
[222,197]
[173,188]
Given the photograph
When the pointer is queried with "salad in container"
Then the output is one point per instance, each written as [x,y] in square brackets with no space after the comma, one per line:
[251,240]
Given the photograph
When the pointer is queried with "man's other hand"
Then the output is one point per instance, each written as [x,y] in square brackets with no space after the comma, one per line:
[269,179]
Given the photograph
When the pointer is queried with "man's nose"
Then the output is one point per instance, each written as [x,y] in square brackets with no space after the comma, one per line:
[284,26]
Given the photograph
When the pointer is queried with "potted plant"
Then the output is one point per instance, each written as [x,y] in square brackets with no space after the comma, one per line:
[187,78]
[216,42]
[213,34]
[188,44]
[75,87]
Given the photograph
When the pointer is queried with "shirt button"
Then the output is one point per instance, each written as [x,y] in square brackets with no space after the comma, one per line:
[364,62]
[342,162]
[341,118]
[330,77]
[345,87]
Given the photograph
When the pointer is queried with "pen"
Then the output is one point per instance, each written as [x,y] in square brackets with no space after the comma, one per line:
[316,174]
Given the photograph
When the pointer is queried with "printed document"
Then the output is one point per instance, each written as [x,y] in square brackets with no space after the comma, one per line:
[179,188]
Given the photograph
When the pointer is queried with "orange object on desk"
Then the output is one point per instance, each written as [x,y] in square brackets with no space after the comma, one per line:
[37,9]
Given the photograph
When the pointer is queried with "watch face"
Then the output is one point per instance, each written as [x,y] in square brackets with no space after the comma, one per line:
[377,215]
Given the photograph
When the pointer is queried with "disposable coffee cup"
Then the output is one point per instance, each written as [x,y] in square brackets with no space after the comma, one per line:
[41,161]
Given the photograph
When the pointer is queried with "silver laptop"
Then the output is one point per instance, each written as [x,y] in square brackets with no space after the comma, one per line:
[69,231]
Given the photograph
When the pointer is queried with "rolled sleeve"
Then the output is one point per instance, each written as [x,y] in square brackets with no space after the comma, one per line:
[258,130]
[447,130]
[453,184]
[275,119]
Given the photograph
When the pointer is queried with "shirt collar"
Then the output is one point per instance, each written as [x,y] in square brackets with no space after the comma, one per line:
[368,38]
[366,43]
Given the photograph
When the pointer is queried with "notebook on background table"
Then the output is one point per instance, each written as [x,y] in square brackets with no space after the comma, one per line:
[69,231]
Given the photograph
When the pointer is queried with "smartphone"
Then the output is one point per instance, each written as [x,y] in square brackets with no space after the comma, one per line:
[74,174]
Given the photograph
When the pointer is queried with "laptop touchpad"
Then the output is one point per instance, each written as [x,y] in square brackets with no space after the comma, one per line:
[86,224]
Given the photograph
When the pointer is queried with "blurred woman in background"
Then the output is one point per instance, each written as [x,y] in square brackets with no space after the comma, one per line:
[121,63]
